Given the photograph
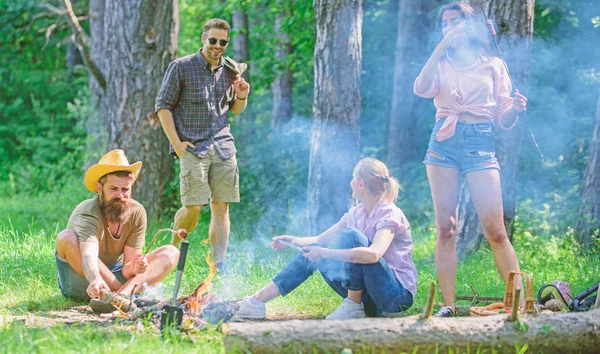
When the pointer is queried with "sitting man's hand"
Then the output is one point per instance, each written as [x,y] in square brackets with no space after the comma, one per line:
[140,264]
[96,286]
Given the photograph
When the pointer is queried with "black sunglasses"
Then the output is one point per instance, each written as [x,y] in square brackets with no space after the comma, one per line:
[222,42]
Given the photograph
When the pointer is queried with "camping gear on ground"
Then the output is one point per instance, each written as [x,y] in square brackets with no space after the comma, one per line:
[584,301]
[172,315]
[506,306]
[549,294]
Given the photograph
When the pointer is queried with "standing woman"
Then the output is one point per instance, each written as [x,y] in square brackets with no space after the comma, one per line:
[366,257]
[471,92]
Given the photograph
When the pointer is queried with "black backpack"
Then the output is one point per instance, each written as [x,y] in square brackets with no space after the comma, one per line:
[584,301]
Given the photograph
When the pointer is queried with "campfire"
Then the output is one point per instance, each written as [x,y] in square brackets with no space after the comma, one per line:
[199,309]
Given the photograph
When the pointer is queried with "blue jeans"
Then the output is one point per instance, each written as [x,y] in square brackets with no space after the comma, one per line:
[471,148]
[381,291]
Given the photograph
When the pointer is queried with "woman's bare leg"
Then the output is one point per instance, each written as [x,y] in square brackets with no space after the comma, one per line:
[445,189]
[486,193]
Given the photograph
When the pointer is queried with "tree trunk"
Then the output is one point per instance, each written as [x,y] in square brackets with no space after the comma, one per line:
[336,107]
[588,225]
[133,43]
[241,53]
[514,19]
[97,142]
[411,45]
[560,333]
[282,84]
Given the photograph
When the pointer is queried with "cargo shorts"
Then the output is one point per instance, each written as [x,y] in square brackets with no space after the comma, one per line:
[208,178]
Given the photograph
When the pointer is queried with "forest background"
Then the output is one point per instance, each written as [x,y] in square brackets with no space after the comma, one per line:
[46,104]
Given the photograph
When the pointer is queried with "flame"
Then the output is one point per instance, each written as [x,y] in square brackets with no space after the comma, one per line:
[202,296]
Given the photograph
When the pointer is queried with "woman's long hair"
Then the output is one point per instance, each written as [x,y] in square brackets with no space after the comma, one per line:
[479,34]
[377,178]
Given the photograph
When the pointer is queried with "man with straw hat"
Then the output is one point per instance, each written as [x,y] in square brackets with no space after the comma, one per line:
[101,248]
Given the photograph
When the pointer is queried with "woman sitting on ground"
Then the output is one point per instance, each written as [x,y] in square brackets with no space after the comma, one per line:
[366,257]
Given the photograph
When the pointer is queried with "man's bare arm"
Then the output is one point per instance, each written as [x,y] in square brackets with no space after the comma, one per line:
[166,120]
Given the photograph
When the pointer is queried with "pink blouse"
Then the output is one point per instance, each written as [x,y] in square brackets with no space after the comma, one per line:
[399,254]
[482,89]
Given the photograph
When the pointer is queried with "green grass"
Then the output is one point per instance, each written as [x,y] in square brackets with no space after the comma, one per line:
[28,285]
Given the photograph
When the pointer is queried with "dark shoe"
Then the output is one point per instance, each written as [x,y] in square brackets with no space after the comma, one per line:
[101,306]
[446,311]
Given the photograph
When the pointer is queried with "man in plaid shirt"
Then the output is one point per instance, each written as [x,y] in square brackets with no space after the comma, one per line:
[196,93]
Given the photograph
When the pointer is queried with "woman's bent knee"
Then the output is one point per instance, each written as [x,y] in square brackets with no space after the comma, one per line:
[351,238]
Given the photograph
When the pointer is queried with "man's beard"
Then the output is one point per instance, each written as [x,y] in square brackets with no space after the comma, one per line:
[116,210]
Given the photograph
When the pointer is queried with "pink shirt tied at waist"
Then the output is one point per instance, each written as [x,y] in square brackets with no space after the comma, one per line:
[482,89]
[399,254]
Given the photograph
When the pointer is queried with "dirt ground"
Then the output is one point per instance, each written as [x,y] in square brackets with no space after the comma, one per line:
[81,315]
[75,315]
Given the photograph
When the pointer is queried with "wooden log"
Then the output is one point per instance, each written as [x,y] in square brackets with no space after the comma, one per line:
[560,333]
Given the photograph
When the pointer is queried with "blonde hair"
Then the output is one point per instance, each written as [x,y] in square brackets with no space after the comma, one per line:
[377,178]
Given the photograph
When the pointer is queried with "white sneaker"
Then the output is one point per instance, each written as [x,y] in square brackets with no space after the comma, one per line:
[347,310]
[249,310]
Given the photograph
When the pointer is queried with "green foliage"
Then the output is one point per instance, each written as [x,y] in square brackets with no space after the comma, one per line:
[39,138]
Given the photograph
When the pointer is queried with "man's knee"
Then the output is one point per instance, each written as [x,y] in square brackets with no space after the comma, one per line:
[169,255]
[193,209]
[219,210]
[66,239]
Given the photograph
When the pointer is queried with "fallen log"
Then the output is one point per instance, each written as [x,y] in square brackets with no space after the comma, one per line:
[560,333]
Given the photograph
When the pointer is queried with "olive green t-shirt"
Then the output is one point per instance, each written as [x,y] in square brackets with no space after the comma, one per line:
[90,225]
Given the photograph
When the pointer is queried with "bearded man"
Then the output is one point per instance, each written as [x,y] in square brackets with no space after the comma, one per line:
[101,249]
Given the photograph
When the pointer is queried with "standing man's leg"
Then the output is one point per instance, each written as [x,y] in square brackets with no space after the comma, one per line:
[224,186]
[185,218]
[194,190]
[218,231]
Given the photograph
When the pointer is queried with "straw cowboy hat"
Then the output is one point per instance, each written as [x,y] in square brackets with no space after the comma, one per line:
[113,161]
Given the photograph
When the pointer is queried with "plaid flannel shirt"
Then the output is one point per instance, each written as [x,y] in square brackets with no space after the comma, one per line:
[199,99]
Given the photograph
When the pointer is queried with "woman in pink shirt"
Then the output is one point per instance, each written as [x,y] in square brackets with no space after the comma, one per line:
[471,92]
[366,257]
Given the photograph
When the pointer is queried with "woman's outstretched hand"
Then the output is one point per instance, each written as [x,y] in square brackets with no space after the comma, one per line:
[519,103]
[278,246]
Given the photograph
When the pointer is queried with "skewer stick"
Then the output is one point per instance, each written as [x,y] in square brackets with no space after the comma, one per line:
[182,233]
[493,33]
[514,315]
[428,309]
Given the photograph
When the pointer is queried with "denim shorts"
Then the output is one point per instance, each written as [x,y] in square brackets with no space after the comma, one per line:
[471,148]
[74,286]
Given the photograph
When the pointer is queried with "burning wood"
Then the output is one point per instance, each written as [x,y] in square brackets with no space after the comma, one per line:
[201,295]
[199,309]
[117,300]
